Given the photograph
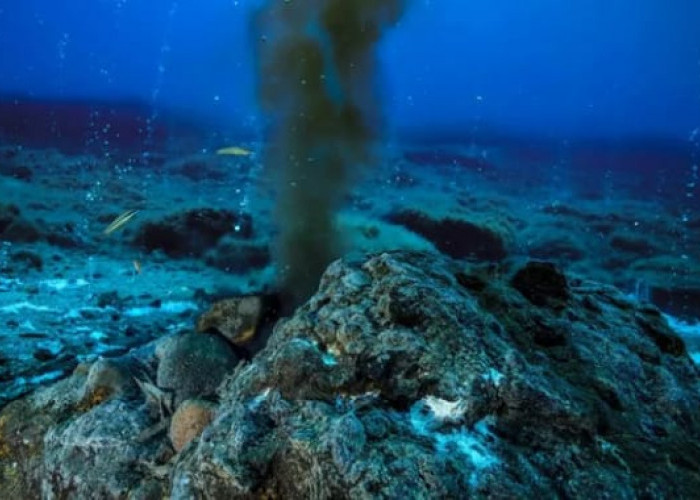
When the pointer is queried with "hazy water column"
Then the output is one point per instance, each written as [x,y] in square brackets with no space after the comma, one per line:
[316,82]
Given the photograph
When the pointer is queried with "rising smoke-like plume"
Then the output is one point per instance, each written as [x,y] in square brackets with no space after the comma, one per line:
[317,76]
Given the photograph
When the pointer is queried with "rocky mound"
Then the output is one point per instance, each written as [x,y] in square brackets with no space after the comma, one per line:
[404,376]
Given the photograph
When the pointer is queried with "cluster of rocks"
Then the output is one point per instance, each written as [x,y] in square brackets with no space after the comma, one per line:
[58,310]
[406,375]
[42,343]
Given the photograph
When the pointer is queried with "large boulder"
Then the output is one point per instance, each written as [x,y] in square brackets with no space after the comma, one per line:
[406,376]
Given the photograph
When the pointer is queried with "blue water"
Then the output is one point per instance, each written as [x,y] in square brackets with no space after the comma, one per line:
[577,68]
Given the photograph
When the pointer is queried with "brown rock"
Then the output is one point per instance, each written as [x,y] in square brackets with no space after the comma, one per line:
[188,422]
[235,318]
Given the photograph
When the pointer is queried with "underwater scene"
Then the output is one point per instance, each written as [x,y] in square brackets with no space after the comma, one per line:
[349,249]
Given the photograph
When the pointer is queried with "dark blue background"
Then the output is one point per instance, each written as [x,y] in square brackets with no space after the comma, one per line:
[554,67]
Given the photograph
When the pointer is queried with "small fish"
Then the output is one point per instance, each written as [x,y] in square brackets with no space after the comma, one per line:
[137,266]
[234,151]
[120,221]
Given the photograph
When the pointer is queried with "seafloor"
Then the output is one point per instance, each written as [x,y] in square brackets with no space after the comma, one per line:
[204,226]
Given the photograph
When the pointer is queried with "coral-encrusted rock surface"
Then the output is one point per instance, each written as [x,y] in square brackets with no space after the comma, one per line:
[406,376]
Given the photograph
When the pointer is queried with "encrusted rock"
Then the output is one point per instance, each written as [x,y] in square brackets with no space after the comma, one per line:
[103,439]
[397,381]
[193,365]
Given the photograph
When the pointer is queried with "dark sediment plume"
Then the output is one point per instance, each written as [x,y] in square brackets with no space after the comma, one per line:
[317,84]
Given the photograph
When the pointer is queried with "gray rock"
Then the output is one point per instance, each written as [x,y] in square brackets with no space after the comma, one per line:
[107,377]
[193,365]
[96,454]
[82,437]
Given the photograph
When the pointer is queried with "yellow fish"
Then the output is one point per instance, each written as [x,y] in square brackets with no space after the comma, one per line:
[120,221]
[234,151]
